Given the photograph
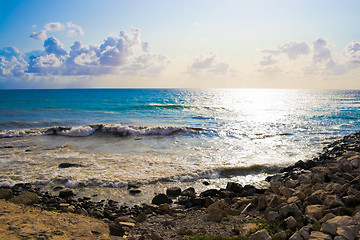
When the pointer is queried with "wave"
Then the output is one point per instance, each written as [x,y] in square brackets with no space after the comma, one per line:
[225,172]
[178,106]
[114,129]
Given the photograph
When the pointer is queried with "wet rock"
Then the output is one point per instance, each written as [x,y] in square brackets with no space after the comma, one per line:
[173,191]
[206,183]
[5,193]
[160,199]
[210,193]
[260,235]
[141,217]
[26,198]
[69,165]
[234,187]
[66,194]
[184,200]
[190,192]
[134,191]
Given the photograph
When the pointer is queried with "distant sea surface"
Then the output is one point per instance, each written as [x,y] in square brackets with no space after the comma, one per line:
[164,137]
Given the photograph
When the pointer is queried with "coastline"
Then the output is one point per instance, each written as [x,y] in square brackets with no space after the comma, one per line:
[314,199]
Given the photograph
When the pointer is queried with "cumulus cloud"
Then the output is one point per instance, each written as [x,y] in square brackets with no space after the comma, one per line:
[267,60]
[11,62]
[124,54]
[54,26]
[208,63]
[39,36]
[74,30]
[292,49]
[352,52]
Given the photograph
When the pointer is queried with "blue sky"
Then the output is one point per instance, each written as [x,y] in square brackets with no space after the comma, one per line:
[201,43]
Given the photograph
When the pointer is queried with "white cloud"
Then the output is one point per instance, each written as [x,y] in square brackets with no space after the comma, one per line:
[208,63]
[267,60]
[74,30]
[352,52]
[54,26]
[292,49]
[39,36]
[125,54]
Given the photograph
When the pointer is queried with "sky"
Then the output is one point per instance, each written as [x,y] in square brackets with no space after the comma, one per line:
[303,44]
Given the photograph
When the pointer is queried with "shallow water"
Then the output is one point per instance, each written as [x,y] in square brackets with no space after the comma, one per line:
[164,137]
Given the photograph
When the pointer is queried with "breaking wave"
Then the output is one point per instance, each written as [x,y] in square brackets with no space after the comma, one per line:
[114,129]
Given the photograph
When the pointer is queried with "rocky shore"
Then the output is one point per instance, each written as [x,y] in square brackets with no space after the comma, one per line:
[314,199]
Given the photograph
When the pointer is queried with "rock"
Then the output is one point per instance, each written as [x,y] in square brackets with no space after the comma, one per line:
[133,185]
[332,201]
[296,236]
[234,187]
[275,201]
[304,232]
[160,199]
[350,200]
[261,202]
[66,194]
[164,208]
[286,192]
[291,222]
[217,210]
[206,183]
[173,191]
[327,217]
[347,232]
[210,193]
[316,235]
[331,225]
[116,229]
[290,210]
[190,192]
[124,219]
[134,191]
[26,198]
[68,165]
[184,231]
[260,235]
[316,211]
[155,236]
[271,216]
[5,193]
[141,217]
[280,236]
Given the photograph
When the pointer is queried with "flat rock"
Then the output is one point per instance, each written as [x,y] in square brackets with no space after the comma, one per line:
[316,211]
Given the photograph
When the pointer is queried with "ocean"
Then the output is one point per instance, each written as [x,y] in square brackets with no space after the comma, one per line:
[158,138]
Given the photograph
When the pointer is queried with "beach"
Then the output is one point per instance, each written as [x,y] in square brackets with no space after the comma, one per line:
[313,199]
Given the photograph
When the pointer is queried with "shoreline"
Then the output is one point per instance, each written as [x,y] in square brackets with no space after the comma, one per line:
[302,201]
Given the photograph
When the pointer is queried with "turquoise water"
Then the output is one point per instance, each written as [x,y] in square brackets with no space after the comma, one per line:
[165,135]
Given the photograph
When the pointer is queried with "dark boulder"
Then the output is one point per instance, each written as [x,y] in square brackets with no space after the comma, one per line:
[68,165]
[173,191]
[234,187]
[161,199]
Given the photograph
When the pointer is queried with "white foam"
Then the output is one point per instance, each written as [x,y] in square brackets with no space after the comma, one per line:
[138,130]
[80,131]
